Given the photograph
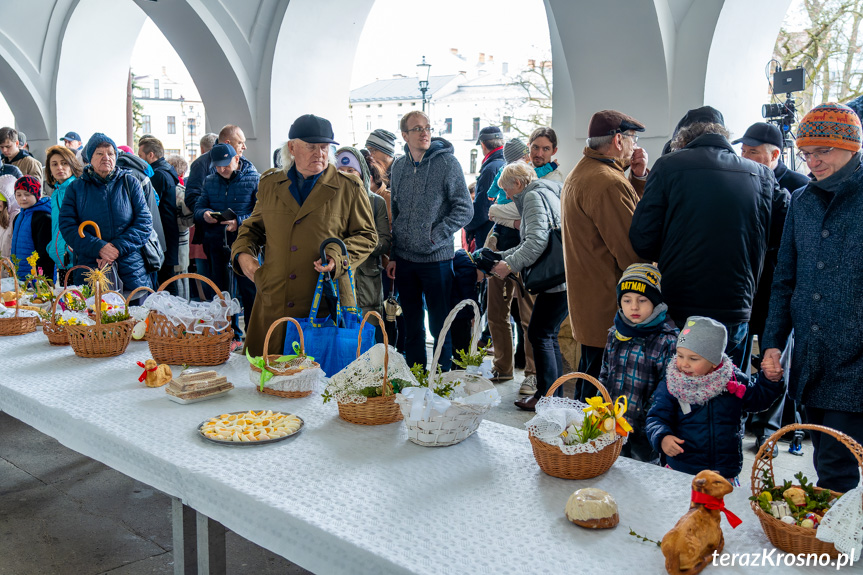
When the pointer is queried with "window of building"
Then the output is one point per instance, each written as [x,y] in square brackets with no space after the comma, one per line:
[145,124]
[369,123]
[401,104]
[193,126]
[507,124]
[172,151]
[156,89]
[145,92]
[172,124]
[448,126]
[475,129]
[169,94]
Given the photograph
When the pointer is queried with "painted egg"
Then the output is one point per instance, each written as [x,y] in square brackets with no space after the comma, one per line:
[140,330]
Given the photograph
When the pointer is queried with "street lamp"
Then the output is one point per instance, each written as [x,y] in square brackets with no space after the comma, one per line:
[424,83]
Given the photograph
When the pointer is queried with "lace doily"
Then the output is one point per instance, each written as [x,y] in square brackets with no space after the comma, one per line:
[194,316]
[306,380]
[843,523]
[368,371]
[68,314]
[7,312]
[554,415]
[111,299]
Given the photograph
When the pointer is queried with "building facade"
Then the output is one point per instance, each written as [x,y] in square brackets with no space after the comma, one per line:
[459,105]
[171,111]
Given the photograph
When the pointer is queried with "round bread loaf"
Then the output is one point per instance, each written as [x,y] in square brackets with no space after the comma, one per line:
[592,508]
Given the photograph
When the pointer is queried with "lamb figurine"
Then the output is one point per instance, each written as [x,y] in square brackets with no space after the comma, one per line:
[689,545]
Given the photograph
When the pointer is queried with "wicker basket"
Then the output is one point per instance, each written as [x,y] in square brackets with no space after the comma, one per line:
[99,340]
[460,421]
[793,538]
[171,344]
[55,333]
[129,299]
[281,371]
[375,410]
[556,463]
[16,325]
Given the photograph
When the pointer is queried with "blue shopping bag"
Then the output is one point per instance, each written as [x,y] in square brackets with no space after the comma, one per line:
[332,347]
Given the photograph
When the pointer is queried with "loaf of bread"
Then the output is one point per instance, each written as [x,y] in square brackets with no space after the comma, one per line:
[196,383]
[592,508]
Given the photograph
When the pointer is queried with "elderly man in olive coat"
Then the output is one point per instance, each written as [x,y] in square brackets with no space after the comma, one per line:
[299,206]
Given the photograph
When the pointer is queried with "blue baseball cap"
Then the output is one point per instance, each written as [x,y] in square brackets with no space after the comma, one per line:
[221,154]
[70,136]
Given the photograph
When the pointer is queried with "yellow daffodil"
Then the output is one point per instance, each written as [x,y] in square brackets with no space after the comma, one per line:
[596,405]
[34,257]
[622,426]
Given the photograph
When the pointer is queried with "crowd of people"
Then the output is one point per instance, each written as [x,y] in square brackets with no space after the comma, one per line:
[664,276]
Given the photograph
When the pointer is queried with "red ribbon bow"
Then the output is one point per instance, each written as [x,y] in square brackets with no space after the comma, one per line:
[713,503]
[146,371]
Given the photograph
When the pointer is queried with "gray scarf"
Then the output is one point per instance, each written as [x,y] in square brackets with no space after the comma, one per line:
[833,182]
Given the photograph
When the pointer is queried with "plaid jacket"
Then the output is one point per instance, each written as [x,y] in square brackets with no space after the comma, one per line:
[634,367]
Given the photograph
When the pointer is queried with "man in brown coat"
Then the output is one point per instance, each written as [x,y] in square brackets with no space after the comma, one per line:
[597,204]
[299,206]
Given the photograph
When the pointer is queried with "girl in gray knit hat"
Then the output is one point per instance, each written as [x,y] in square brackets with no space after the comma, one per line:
[695,421]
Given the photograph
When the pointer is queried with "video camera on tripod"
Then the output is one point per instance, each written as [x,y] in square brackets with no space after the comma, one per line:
[783,115]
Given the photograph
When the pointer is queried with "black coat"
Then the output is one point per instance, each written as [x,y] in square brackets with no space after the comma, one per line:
[712,432]
[706,217]
[791,181]
[480,225]
[165,182]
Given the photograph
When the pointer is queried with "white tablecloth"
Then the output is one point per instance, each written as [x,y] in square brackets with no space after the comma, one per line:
[343,498]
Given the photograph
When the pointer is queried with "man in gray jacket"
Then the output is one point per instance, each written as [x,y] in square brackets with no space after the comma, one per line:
[430,203]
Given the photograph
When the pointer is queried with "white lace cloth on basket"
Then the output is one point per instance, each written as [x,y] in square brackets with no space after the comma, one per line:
[195,316]
[554,415]
[305,380]
[843,523]
[368,371]
[471,393]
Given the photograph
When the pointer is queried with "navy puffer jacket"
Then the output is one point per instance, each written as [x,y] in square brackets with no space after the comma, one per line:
[712,432]
[122,223]
[239,193]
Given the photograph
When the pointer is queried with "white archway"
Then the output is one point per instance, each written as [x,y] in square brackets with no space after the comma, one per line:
[92,77]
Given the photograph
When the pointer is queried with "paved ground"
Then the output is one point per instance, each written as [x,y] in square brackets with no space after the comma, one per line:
[63,513]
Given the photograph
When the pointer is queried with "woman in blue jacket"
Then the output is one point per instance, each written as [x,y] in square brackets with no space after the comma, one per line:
[112,198]
[61,169]
[234,185]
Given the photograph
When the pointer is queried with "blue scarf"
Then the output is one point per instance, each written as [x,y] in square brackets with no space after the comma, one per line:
[625,329]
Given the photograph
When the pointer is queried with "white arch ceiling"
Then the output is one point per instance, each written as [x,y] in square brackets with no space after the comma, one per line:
[262,63]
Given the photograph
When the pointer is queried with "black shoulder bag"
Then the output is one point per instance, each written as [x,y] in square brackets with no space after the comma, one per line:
[547,271]
[151,251]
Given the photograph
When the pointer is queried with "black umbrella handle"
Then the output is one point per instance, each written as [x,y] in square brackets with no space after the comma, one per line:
[329,241]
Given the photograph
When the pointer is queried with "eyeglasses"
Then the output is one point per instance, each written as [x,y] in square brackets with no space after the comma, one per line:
[633,136]
[805,156]
[420,130]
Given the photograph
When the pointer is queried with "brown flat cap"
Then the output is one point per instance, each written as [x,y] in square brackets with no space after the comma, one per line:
[608,122]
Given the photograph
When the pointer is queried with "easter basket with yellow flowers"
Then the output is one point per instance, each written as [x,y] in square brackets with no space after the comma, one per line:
[575,440]
[19,321]
[112,331]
